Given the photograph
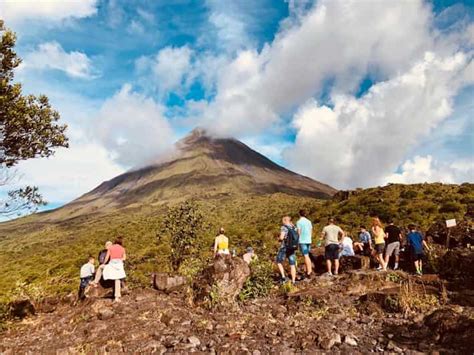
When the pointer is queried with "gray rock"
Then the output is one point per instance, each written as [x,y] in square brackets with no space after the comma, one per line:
[105,314]
[194,341]
[350,340]
[328,342]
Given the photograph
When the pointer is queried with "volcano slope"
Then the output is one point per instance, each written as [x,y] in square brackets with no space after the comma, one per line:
[232,186]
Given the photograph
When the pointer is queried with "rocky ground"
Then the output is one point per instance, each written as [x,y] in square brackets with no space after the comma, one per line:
[359,311]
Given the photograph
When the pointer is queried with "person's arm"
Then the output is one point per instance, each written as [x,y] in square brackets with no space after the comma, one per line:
[425,244]
[215,246]
[282,235]
[124,255]
[340,235]
[107,257]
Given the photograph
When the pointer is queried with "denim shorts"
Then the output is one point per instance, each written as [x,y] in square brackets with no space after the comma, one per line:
[305,248]
[283,254]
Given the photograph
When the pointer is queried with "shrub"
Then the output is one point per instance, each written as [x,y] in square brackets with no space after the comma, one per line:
[409,194]
[260,281]
[450,207]
[183,224]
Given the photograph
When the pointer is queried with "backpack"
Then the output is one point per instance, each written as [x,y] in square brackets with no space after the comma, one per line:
[292,238]
[102,255]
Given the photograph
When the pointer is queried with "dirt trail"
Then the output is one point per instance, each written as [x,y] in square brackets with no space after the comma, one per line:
[357,311]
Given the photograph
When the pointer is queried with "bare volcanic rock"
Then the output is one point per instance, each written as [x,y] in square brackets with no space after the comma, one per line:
[221,282]
[164,282]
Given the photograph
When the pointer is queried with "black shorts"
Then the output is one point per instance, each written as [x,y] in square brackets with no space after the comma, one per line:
[417,256]
[332,252]
[379,248]
[366,250]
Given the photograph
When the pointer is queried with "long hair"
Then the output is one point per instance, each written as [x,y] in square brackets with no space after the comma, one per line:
[376,222]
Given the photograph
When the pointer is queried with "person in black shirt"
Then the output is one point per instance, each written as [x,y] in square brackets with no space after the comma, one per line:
[393,236]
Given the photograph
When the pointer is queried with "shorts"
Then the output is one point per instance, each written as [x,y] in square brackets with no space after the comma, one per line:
[417,256]
[305,248]
[331,252]
[366,250]
[379,248]
[283,254]
[392,248]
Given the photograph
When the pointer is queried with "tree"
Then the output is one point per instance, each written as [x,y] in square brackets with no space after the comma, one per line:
[183,224]
[29,128]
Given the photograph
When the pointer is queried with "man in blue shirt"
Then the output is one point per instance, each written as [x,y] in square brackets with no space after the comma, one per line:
[416,243]
[305,231]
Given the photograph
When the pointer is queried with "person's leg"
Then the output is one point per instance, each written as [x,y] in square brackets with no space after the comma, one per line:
[329,265]
[305,249]
[397,255]
[292,262]
[336,266]
[98,274]
[282,270]
[117,293]
[308,264]
[420,265]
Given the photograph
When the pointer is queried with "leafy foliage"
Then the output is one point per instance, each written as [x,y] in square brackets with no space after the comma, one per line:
[260,281]
[28,126]
[184,225]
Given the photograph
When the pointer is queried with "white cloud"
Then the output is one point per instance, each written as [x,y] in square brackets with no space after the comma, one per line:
[70,172]
[171,68]
[132,128]
[337,40]
[230,26]
[360,141]
[14,11]
[51,55]
[426,169]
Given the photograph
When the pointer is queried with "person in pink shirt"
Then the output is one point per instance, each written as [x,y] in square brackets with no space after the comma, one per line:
[114,269]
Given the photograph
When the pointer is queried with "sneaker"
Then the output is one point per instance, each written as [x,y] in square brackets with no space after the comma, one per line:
[379,268]
[328,274]
[396,267]
[419,273]
[284,280]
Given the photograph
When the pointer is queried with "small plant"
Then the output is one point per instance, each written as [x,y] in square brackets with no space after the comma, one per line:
[26,291]
[260,281]
[393,277]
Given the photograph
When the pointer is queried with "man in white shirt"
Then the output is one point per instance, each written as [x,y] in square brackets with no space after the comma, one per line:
[332,235]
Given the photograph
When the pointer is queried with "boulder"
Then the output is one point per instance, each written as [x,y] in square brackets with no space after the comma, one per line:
[105,289]
[221,282]
[22,308]
[165,283]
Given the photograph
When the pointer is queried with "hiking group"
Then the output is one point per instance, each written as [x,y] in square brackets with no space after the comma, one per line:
[387,242]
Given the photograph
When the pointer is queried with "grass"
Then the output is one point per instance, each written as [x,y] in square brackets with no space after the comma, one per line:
[48,256]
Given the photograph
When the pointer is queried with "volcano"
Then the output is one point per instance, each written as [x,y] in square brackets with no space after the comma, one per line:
[201,167]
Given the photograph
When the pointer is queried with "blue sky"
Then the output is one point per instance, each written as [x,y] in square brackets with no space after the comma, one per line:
[350,93]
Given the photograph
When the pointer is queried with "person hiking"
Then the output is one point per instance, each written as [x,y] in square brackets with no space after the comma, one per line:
[288,244]
[101,258]
[332,235]
[305,232]
[221,243]
[379,237]
[86,275]
[365,247]
[416,242]
[347,246]
[393,234]
[114,269]
[250,255]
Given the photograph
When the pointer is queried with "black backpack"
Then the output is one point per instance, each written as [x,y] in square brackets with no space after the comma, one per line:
[292,238]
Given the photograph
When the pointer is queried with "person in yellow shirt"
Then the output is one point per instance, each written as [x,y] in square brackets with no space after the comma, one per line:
[221,244]
[379,237]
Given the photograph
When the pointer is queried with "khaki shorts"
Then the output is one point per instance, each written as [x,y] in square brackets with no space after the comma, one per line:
[393,248]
